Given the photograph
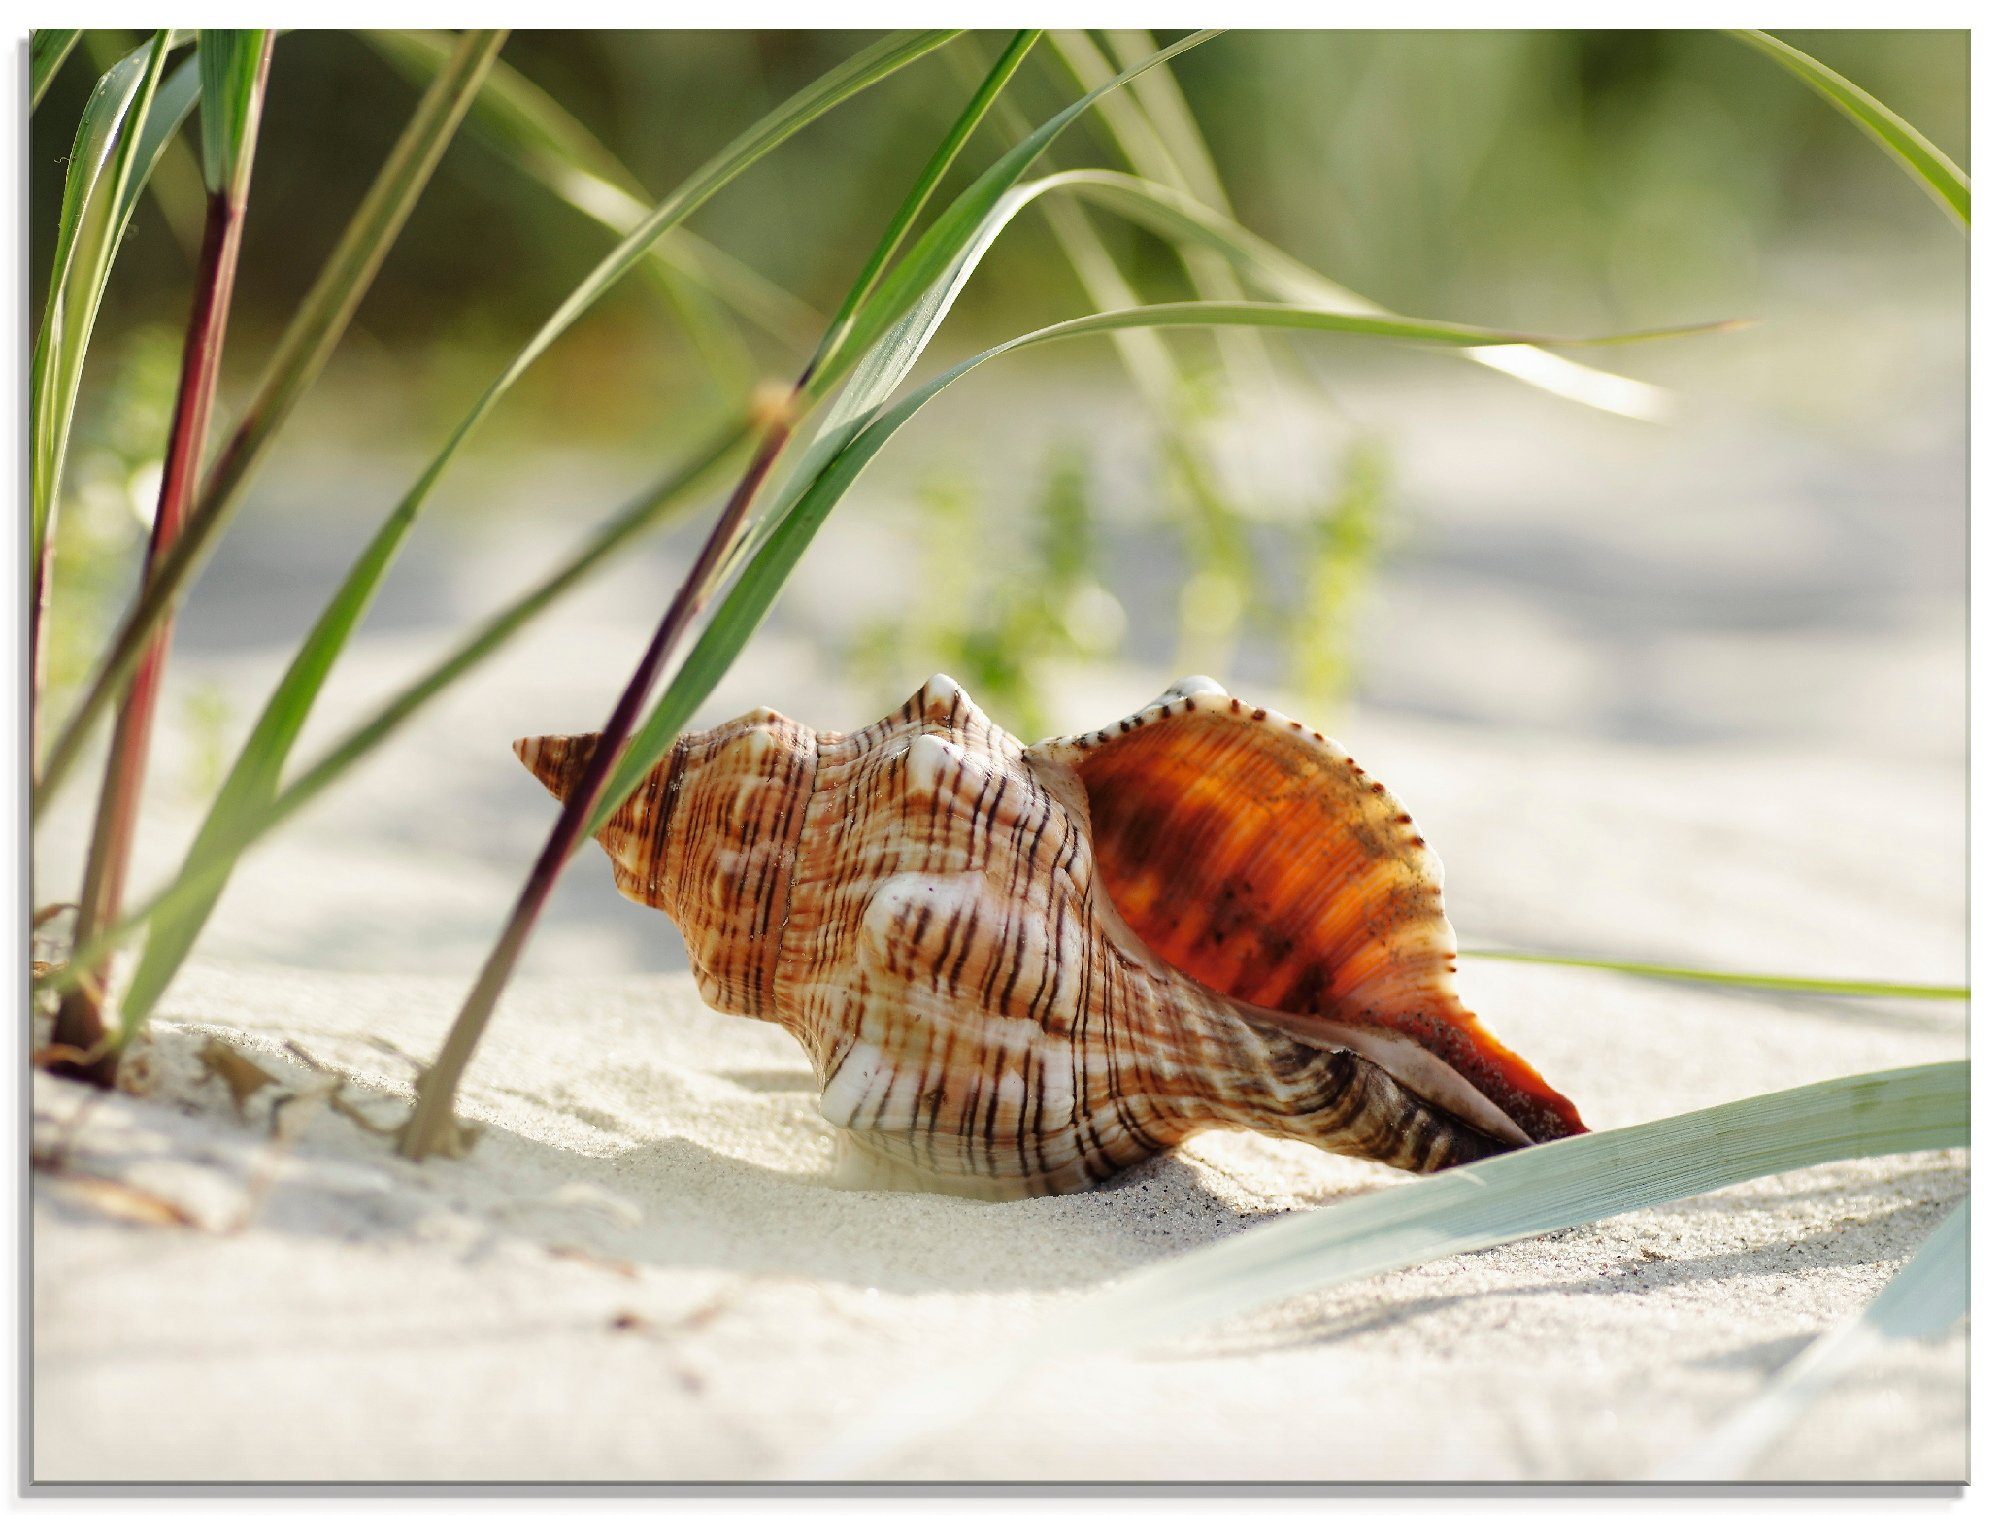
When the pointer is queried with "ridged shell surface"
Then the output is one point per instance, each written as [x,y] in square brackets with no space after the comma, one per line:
[1019,970]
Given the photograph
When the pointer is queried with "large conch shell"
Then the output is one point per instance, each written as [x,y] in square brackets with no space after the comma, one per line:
[1019,970]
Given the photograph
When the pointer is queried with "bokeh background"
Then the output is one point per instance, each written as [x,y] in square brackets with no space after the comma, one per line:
[1717,656]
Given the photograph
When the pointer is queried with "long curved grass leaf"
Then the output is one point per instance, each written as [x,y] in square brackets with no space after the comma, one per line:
[302,352]
[1930,1293]
[47,49]
[253,778]
[1858,988]
[531,130]
[825,476]
[1180,217]
[1948,184]
[1572,1182]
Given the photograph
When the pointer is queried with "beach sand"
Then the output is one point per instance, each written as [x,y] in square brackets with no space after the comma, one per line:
[641,1272]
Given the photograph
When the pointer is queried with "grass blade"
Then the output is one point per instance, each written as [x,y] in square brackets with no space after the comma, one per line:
[87,237]
[252,781]
[1857,988]
[1573,1182]
[1930,1294]
[1947,182]
[933,171]
[531,130]
[1181,217]
[302,352]
[432,1127]
[47,49]
[955,240]
[233,70]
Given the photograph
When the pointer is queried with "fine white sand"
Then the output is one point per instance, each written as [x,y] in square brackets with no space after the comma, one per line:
[640,1272]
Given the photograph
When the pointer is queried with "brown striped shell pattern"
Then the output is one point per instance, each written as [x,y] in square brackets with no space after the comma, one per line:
[1019,970]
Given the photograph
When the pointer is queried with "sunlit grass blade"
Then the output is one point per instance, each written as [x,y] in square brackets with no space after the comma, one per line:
[233,65]
[1948,184]
[1858,988]
[47,49]
[1551,1187]
[253,778]
[1930,1294]
[531,130]
[432,1128]
[823,479]
[653,507]
[1180,217]
[302,352]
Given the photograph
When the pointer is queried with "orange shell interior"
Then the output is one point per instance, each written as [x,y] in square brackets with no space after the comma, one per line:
[1259,859]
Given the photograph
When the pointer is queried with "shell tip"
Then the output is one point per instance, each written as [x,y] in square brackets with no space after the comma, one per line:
[558,761]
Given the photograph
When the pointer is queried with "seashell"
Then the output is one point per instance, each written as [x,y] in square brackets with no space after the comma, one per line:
[1019,970]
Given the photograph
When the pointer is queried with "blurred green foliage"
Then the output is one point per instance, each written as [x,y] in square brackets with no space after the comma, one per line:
[1543,179]
[1538,178]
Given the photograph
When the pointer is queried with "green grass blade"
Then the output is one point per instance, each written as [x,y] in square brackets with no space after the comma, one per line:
[87,237]
[1567,1183]
[954,243]
[529,129]
[47,49]
[302,352]
[1858,988]
[946,153]
[1930,1294]
[825,476]
[1182,218]
[1947,182]
[231,62]
[253,779]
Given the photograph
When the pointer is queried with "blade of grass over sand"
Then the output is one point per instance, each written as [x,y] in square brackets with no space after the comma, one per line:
[253,778]
[1930,1294]
[1551,1187]
[1948,184]
[432,1127]
[665,499]
[1859,988]
[88,231]
[308,341]
[47,49]
[527,127]
[234,67]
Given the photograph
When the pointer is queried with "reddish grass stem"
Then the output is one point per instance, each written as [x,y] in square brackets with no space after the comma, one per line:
[430,1128]
[79,1023]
